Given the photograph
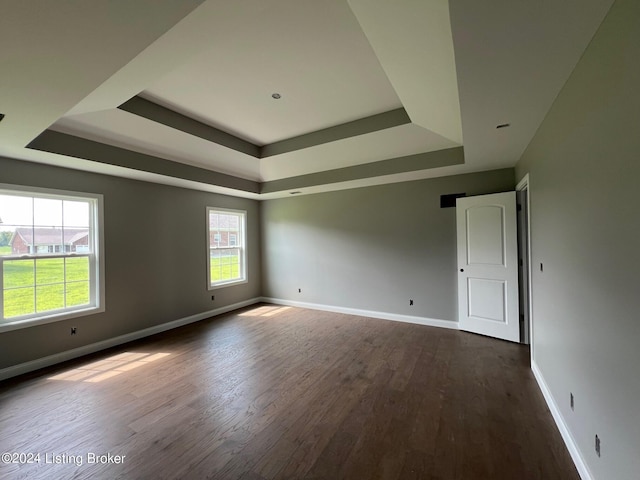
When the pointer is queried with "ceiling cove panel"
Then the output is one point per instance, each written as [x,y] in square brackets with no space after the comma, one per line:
[414,44]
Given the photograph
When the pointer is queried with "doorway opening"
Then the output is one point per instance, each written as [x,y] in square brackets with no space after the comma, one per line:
[524,261]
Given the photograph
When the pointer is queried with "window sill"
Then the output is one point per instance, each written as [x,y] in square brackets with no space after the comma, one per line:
[10,325]
[227,284]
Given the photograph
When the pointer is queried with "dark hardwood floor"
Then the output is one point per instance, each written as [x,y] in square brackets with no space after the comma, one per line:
[285,393]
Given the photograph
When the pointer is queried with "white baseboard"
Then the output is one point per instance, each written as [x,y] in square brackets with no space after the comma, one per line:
[579,462]
[38,363]
[431,322]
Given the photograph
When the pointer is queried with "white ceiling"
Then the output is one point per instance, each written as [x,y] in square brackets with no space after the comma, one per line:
[458,68]
[312,53]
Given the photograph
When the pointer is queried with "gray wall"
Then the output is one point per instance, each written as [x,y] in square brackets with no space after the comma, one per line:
[584,166]
[371,248]
[156,259]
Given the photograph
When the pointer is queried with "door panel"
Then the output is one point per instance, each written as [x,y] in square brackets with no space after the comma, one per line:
[485,225]
[488,265]
[487,299]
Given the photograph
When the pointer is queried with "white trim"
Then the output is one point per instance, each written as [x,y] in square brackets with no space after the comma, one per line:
[240,245]
[569,441]
[524,184]
[96,257]
[43,362]
[52,317]
[431,322]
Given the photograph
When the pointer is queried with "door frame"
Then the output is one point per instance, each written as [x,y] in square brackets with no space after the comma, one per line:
[525,184]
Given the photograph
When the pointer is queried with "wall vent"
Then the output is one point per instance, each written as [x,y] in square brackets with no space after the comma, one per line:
[448,201]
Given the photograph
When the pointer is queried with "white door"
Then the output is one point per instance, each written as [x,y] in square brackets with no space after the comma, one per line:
[488,265]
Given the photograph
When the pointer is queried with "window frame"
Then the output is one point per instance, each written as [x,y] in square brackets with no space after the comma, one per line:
[96,259]
[240,245]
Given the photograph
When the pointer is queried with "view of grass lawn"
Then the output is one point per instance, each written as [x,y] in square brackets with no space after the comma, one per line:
[225,268]
[6,250]
[44,284]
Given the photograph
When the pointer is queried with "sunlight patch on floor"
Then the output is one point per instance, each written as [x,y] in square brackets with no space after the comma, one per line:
[109,367]
[265,311]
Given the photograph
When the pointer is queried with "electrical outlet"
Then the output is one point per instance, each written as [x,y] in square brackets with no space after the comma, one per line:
[541,267]
[571,400]
[597,445]
[299,290]
[410,302]
[213,297]
[74,330]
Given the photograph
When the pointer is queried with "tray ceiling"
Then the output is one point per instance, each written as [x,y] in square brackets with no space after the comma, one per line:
[370,92]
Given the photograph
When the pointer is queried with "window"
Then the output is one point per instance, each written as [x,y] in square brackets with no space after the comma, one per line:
[50,255]
[227,247]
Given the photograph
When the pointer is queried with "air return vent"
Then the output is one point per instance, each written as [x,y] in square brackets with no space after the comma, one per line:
[448,201]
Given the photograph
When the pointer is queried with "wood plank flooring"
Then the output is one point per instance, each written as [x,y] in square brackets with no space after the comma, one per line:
[284,393]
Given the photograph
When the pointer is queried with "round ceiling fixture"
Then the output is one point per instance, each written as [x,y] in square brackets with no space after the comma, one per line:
[277,96]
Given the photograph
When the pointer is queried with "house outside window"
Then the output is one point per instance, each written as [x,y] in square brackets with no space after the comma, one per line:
[51,263]
[227,255]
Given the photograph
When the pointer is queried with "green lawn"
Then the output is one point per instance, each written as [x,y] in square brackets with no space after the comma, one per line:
[6,250]
[44,284]
[225,268]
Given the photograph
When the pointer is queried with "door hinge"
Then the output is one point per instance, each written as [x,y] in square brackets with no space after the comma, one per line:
[519,207]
